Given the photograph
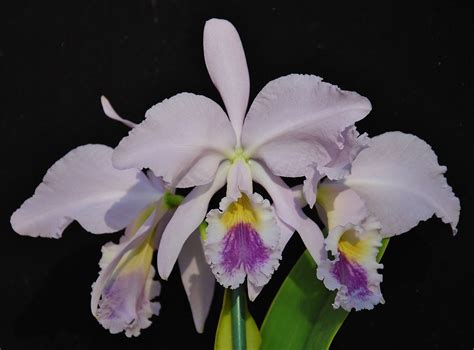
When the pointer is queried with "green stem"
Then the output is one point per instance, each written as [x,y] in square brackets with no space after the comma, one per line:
[239,300]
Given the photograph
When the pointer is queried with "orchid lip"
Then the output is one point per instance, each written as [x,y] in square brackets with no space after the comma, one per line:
[242,241]
[123,295]
[353,271]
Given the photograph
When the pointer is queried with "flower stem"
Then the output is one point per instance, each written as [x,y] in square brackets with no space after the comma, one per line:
[239,300]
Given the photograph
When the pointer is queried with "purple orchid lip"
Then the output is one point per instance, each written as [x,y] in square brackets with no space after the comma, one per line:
[127,303]
[243,247]
[113,305]
[352,275]
[354,271]
[242,241]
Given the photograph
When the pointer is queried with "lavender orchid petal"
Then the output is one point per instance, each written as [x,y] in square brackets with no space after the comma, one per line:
[310,185]
[338,167]
[288,210]
[253,290]
[286,232]
[198,280]
[84,186]
[227,67]
[187,217]
[109,111]
[340,205]
[297,122]
[183,139]
[158,182]
[401,183]
[354,143]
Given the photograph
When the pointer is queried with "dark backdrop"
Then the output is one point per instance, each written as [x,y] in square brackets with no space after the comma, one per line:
[413,62]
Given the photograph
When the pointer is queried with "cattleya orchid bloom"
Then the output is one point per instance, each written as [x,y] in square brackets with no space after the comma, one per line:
[84,186]
[365,190]
[394,184]
[297,125]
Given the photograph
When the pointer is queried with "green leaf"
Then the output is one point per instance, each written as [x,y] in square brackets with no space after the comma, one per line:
[301,315]
[223,339]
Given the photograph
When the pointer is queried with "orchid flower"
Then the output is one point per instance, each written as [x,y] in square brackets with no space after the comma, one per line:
[394,184]
[297,125]
[84,186]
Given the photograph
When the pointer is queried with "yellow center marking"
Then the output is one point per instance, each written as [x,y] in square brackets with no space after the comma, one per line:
[240,211]
[352,246]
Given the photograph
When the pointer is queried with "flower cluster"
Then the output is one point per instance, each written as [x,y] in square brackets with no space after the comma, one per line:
[364,189]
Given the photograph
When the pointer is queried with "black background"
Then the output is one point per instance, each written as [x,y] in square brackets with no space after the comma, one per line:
[56,58]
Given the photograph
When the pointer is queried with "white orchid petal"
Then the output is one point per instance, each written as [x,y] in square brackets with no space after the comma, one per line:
[84,186]
[297,121]
[227,66]
[197,278]
[401,182]
[183,139]
[109,111]
[187,217]
[288,209]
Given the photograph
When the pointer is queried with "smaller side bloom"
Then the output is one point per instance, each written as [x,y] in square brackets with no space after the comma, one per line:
[394,184]
[126,286]
[123,295]
[84,186]
[353,270]
[243,240]
[353,241]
